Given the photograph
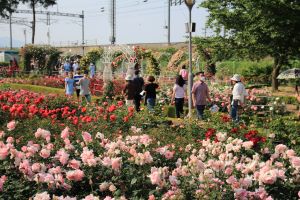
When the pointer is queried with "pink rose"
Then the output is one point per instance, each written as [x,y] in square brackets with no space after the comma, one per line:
[88,158]
[65,133]
[10,140]
[87,137]
[36,167]
[151,197]
[75,164]
[295,161]
[280,148]
[116,163]
[2,180]
[11,125]
[45,153]
[3,152]
[75,175]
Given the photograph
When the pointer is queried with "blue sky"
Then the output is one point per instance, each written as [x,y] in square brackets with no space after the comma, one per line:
[137,22]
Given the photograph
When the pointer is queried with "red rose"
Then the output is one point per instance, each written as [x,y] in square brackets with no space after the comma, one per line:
[113,118]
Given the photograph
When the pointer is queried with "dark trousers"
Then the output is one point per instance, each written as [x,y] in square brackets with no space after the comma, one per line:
[234,111]
[200,111]
[179,106]
[137,102]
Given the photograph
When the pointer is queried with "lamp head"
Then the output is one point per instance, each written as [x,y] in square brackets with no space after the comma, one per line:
[189,3]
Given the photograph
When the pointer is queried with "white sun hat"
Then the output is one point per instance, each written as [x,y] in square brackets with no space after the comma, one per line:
[236,77]
[129,78]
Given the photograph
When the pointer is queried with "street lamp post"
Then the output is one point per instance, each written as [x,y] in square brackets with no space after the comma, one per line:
[190,4]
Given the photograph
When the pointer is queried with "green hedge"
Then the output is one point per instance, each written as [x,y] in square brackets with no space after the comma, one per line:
[4,64]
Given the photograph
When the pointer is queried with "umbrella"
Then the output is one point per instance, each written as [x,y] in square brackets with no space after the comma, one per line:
[290,74]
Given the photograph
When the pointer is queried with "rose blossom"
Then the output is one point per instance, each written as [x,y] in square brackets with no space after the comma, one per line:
[45,153]
[75,164]
[2,180]
[103,186]
[87,137]
[75,175]
[42,196]
[91,197]
[11,125]
[65,133]
[3,152]
[112,188]
[248,145]
[87,157]
[295,161]
[116,163]
[280,148]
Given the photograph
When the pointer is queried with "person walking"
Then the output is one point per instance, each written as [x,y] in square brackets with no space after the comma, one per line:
[77,78]
[139,84]
[200,95]
[129,90]
[92,70]
[69,84]
[184,73]
[67,67]
[238,97]
[150,90]
[75,66]
[179,93]
[85,87]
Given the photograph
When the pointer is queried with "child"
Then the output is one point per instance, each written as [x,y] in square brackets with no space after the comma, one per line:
[77,78]
[150,90]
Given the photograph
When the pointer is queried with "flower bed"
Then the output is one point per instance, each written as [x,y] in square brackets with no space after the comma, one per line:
[51,148]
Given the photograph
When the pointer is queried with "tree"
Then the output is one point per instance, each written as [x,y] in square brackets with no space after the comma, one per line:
[7,7]
[214,49]
[261,27]
[33,4]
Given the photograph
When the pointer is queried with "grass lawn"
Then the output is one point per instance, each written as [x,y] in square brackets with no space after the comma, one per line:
[39,89]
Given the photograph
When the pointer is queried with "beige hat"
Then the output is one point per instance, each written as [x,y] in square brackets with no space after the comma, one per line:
[236,77]
[129,77]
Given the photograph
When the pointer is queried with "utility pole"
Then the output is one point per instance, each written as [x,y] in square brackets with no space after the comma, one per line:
[25,37]
[171,3]
[113,22]
[48,26]
[10,31]
[82,21]
[169,21]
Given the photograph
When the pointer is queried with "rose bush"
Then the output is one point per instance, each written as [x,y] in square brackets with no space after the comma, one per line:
[82,166]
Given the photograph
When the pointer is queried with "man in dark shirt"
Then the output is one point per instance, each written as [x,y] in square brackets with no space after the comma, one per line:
[139,84]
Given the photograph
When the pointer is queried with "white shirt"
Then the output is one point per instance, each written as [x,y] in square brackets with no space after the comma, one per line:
[179,91]
[239,92]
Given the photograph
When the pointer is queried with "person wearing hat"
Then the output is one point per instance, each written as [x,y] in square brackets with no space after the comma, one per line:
[92,70]
[238,96]
[129,90]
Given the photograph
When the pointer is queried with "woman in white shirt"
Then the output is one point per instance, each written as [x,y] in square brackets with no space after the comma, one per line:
[179,95]
[238,96]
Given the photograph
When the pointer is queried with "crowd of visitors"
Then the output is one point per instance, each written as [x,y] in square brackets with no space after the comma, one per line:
[136,89]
